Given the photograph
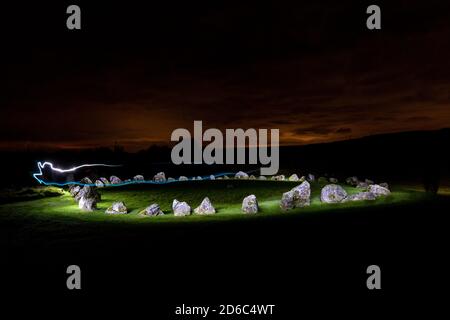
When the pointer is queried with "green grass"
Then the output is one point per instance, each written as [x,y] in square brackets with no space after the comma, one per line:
[226,196]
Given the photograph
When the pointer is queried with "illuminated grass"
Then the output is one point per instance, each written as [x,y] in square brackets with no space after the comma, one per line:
[226,196]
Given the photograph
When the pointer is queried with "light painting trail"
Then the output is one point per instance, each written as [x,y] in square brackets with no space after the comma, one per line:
[50,165]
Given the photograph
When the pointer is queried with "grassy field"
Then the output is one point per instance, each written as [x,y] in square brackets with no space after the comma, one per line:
[226,196]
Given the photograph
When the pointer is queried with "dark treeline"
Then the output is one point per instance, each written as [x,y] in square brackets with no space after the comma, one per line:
[410,156]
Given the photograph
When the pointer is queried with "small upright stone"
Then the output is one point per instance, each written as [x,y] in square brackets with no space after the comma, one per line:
[160,177]
[115,180]
[205,207]
[378,190]
[86,180]
[180,209]
[310,177]
[299,196]
[294,177]
[152,210]
[212,177]
[138,177]
[333,180]
[99,183]
[104,180]
[241,175]
[262,178]
[332,193]
[117,207]
[250,204]
[183,178]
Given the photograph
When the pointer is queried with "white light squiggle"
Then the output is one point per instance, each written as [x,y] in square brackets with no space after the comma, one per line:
[49,164]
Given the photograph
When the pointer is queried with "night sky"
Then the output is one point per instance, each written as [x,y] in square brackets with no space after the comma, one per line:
[133,74]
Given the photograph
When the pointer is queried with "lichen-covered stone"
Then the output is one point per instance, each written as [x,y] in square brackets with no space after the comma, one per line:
[205,207]
[117,207]
[241,175]
[297,197]
[250,204]
[332,193]
[180,209]
[378,190]
[152,210]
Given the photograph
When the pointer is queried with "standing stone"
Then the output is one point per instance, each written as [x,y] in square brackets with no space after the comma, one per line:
[199,178]
[360,196]
[183,178]
[87,198]
[378,190]
[104,180]
[252,177]
[226,177]
[299,196]
[262,178]
[138,177]
[205,207]
[117,207]
[294,177]
[332,193]
[86,180]
[212,177]
[152,210]
[180,209]
[280,177]
[160,177]
[87,204]
[115,180]
[333,180]
[170,179]
[310,177]
[99,184]
[74,189]
[250,204]
[241,175]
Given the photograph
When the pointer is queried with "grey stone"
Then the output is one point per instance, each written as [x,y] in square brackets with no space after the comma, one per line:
[250,204]
[297,197]
[310,177]
[205,207]
[87,204]
[138,177]
[360,196]
[378,190]
[183,178]
[160,177]
[241,175]
[99,184]
[280,177]
[333,180]
[104,180]
[180,209]
[212,177]
[117,207]
[86,180]
[332,193]
[262,178]
[115,180]
[294,177]
[152,210]
[74,189]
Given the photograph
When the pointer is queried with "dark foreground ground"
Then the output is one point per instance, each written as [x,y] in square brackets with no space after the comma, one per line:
[304,264]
